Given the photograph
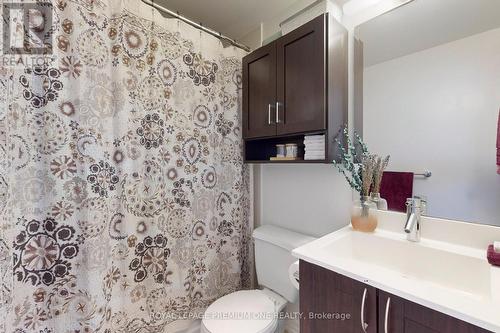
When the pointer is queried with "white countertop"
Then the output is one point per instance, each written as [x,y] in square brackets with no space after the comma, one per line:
[449,274]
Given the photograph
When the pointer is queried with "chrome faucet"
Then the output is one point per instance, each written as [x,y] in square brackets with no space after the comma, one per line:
[415,208]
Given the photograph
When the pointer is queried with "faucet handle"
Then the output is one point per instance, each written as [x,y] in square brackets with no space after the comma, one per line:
[423,204]
[417,202]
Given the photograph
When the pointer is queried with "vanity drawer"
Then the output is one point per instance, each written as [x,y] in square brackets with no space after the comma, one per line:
[404,316]
[325,293]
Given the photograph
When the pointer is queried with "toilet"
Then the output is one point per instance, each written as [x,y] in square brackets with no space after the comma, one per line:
[258,311]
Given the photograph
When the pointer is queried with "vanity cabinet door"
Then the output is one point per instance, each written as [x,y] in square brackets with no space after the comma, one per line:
[259,93]
[301,78]
[398,315]
[330,302]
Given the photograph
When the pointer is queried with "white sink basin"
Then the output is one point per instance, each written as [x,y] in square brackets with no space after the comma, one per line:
[415,261]
[448,277]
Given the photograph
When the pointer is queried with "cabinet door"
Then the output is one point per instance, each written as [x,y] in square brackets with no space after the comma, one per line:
[397,315]
[259,92]
[330,302]
[301,80]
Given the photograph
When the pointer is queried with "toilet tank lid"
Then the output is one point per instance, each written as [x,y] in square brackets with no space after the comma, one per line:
[281,237]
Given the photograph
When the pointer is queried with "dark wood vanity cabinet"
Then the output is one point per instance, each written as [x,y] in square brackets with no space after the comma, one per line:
[325,292]
[293,86]
[408,317]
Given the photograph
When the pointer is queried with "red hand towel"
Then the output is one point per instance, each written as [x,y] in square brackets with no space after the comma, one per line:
[493,257]
[396,187]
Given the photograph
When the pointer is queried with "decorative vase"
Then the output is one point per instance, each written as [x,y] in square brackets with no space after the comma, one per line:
[364,215]
[379,201]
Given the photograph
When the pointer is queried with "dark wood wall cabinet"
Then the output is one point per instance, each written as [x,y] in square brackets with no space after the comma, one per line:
[295,86]
[326,298]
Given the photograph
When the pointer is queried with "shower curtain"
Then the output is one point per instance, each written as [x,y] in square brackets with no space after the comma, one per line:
[124,200]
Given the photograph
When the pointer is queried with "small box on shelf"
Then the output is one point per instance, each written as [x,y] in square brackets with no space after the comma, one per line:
[275,158]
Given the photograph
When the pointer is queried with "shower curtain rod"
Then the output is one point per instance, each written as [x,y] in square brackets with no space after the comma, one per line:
[196,25]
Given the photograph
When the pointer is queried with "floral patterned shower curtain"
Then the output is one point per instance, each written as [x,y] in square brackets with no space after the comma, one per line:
[124,202]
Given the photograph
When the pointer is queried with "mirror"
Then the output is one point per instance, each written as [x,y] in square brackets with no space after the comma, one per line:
[427,87]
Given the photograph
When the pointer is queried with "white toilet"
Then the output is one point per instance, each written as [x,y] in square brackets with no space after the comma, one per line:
[257,311]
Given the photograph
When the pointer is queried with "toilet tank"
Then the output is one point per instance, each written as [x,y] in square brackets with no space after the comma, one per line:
[273,257]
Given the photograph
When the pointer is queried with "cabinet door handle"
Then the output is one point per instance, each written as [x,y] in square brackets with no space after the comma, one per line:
[364,325]
[269,106]
[386,322]
[278,113]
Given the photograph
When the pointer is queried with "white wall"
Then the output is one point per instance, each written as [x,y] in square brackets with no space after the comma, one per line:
[437,109]
[313,199]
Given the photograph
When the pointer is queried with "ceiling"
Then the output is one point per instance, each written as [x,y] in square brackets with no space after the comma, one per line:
[234,18]
[423,24]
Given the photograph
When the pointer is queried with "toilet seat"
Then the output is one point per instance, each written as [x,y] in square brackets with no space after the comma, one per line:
[245,311]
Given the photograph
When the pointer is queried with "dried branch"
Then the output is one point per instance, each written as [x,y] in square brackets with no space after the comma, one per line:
[368,168]
[378,173]
[349,160]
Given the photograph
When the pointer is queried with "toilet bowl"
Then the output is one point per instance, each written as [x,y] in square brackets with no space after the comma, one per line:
[245,311]
[259,311]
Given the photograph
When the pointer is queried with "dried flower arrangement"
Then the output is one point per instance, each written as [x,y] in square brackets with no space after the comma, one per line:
[380,165]
[362,170]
